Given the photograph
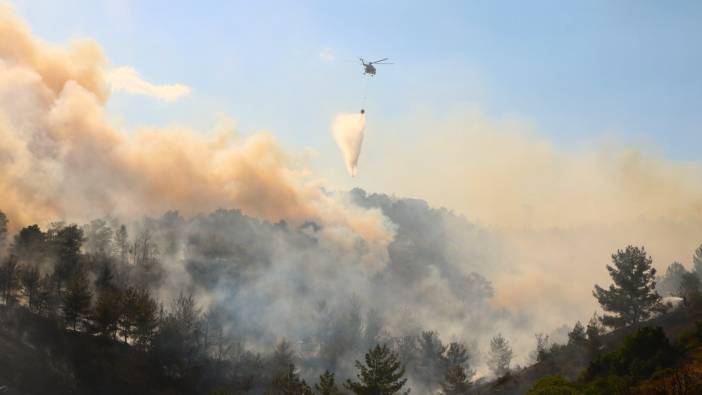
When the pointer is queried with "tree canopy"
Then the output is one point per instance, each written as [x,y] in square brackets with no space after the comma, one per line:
[382,373]
[632,297]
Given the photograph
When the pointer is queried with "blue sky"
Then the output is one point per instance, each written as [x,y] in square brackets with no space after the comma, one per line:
[576,71]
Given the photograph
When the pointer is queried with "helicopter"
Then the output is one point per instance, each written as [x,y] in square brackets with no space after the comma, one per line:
[369,68]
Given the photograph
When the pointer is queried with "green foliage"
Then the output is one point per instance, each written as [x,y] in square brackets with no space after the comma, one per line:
[138,316]
[669,283]
[639,356]
[145,318]
[121,244]
[593,332]
[108,311]
[632,298]
[578,336]
[431,363]
[697,261]
[288,382]
[607,385]
[30,282]
[382,373]
[98,237]
[553,385]
[30,245]
[177,345]
[9,279]
[326,385]
[77,300]
[689,287]
[66,242]
[3,228]
[456,381]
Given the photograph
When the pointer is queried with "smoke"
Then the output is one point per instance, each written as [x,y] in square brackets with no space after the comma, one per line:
[128,80]
[61,159]
[286,263]
[348,133]
[560,212]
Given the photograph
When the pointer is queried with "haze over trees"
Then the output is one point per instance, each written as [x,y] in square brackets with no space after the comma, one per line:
[109,287]
[115,283]
[500,355]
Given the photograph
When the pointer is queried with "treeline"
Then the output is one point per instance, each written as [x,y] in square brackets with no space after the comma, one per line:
[97,281]
[100,282]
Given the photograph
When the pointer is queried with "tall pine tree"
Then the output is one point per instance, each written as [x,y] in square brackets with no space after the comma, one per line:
[77,300]
[456,381]
[632,298]
[326,385]
[289,382]
[3,228]
[697,261]
[382,374]
[500,355]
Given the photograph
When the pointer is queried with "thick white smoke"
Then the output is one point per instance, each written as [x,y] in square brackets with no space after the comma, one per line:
[348,132]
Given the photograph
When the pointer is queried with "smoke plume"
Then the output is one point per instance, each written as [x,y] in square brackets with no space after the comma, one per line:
[560,212]
[61,159]
[348,133]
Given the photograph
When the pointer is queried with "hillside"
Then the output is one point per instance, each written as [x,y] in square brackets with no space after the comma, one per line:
[681,326]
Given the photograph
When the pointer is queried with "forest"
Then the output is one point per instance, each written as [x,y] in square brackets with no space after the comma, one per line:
[207,305]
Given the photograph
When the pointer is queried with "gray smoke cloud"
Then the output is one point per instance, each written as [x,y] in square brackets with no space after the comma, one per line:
[285,281]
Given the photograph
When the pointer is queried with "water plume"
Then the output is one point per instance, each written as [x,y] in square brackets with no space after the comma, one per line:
[348,132]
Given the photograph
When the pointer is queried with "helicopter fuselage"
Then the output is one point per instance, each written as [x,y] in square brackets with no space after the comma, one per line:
[370,69]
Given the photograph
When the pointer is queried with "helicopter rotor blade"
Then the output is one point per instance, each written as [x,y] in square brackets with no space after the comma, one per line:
[378,61]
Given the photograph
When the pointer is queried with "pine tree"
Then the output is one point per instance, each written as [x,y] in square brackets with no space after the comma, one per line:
[457,354]
[697,261]
[283,356]
[127,319]
[66,242]
[3,229]
[541,354]
[122,244]
[77,300]
[632,298]
[500,355]
[145,318]
[108,311]
[326,385]
[668,284]
[689,287]
[47,298]
[577,336]
[106,277]
[382,374]
[9,279]
[30,245]
[98,238]
[30,279]
[456,381]
[593,334]
[431,364]
[289,383]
